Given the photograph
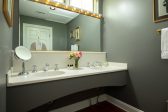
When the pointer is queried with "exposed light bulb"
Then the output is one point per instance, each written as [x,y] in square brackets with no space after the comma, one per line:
[70,8]
[47,1]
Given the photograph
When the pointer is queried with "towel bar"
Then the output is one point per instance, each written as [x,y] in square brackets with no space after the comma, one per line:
[158,30]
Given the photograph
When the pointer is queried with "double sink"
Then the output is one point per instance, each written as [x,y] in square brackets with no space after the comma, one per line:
[51,75]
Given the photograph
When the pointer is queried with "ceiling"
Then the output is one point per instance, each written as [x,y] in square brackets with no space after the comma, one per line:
[33,9]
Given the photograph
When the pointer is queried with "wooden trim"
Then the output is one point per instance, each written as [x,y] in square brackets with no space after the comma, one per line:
[8,18]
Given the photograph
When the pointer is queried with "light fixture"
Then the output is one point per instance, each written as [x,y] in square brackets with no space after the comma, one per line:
[69,8]
[66,7]
[74,9]
[47,1]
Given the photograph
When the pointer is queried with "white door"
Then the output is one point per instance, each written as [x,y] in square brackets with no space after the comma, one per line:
[33,34]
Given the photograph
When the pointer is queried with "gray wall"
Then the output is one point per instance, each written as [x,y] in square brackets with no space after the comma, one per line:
[130,36]
[5,54]
[59,31]
[89,33]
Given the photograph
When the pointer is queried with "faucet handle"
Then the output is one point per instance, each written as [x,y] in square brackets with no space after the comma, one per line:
[34,68]
[46,68]
[47,65]
[56,67]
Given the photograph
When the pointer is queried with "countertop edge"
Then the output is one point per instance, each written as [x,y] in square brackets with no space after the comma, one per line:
[120,67]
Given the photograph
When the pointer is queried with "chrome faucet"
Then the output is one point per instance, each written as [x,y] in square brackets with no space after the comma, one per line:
[56,67]
[34,68]
[46,68]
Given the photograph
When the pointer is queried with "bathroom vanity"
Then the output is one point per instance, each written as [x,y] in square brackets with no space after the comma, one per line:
[28,92]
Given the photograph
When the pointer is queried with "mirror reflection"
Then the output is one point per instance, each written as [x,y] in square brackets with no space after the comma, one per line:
[46,28]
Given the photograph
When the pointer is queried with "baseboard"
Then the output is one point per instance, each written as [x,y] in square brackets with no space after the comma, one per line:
[86,103]
[122,105]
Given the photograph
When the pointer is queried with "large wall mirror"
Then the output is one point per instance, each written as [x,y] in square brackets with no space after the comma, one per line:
[47,28]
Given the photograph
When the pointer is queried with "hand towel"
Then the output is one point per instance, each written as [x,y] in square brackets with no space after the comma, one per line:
[164,43]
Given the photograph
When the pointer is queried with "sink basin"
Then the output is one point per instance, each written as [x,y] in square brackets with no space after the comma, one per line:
[49,73]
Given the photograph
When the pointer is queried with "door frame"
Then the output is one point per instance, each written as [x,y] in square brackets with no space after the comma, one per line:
[41,27]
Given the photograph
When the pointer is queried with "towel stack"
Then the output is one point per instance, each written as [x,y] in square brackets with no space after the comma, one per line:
[164,43]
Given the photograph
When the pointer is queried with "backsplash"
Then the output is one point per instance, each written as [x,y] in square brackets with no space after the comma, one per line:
[40,58]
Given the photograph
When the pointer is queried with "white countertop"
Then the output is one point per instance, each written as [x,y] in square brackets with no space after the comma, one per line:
[83,71]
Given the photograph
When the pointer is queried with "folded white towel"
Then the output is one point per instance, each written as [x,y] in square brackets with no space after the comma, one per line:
[164,43]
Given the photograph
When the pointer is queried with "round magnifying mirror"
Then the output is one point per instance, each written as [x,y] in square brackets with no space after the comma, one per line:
[23,53]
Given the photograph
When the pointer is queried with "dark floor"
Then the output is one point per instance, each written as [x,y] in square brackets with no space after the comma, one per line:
[102,107]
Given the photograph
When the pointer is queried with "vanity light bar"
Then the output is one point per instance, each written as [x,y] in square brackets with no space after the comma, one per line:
[69,8]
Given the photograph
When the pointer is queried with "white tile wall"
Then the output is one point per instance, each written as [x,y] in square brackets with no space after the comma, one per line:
[40,58]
